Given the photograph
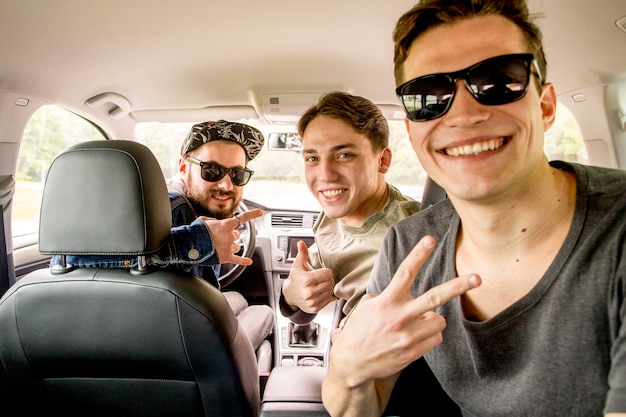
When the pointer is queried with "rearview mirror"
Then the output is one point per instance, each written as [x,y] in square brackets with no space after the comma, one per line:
[287,141]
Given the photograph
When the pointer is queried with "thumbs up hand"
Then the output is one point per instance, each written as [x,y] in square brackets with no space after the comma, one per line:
[306,288]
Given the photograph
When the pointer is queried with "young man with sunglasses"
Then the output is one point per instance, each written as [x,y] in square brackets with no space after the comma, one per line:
[205,196]
[212,171]
[538,247]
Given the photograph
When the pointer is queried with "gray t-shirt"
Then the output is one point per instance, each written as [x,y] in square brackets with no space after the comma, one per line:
[560,349]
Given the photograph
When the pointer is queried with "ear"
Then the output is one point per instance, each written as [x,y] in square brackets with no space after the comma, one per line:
[385,160]
[182,166]
[548,105]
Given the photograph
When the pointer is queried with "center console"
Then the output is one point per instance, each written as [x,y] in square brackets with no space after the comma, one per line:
[301,352]
[306,345]
[294,387]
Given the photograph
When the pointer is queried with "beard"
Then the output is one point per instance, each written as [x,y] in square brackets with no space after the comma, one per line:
[218,211]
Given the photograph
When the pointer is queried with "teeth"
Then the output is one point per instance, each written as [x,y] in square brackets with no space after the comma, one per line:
[476,148]
[332,193]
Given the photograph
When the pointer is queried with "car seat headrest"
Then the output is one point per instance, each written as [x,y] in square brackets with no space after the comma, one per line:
[433,193]
[104,197]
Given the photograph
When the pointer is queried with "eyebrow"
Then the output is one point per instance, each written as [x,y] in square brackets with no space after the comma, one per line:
[335,148]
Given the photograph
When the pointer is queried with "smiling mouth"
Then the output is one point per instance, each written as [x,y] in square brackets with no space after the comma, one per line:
[221,196]
[332,193]
[476,148]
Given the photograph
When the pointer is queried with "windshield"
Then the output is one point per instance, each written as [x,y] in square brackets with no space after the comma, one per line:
[279,174]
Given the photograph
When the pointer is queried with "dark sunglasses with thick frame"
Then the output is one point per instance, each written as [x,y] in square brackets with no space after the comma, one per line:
[494,81]
[213,172]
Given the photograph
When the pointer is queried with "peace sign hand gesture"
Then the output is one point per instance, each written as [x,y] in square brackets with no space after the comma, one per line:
[387,332]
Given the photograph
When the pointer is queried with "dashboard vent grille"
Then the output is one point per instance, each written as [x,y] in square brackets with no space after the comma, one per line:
[298,221]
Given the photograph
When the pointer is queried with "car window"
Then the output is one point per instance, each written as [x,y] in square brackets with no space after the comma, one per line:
[281,173]
[49,130]
[564,141]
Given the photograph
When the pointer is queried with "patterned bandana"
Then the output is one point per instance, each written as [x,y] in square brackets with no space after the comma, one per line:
[248,137]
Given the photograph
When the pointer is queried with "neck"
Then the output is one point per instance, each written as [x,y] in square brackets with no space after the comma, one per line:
[374,204]
[523,216]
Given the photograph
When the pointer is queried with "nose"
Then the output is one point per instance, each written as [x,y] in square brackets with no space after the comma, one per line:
[465,109]
[225,183]
[327,170]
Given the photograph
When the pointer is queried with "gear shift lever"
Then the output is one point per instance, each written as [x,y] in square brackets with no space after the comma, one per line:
[305,335]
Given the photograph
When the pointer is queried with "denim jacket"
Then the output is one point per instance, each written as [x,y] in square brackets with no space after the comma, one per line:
[189,246]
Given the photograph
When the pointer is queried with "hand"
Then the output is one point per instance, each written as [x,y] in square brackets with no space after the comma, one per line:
[225,234]
[308,289]
[334,333]
[385,333]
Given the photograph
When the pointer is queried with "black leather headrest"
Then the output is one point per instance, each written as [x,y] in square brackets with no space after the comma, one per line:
[104,197]
[433,193]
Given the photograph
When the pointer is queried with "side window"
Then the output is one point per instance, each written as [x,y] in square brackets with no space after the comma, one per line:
[563,141]
[48,131]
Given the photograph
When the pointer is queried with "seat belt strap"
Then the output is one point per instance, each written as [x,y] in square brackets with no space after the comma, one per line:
[4,258]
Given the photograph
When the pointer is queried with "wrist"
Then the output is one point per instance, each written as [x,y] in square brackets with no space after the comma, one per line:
[285,306]
[344,368]
[341,398]
[286,296]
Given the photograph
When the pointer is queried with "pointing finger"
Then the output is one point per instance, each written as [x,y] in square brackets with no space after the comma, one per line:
[405,274]
[441,294]
[249,215]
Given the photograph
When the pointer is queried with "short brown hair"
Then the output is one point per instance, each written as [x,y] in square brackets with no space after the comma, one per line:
[428,14]
[361,113]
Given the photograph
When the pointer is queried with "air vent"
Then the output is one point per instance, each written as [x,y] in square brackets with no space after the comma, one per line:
[298,221]
[287,220]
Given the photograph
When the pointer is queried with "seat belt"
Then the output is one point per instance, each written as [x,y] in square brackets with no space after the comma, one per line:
[7,269]
[5,265]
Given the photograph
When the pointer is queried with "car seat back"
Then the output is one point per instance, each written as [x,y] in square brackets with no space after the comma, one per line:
[118,341]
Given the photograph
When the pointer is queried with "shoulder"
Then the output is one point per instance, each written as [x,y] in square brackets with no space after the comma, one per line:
[600,191]
[601,181]
[182,210]
[401,203]
[437,220]
[594,179]
[441,213]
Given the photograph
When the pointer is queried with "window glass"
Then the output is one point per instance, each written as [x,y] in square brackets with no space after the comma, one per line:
[281,173]
[48,131]
[564,141]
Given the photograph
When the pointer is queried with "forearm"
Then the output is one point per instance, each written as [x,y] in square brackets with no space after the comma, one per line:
[187,246]
[343,400]
[351,387]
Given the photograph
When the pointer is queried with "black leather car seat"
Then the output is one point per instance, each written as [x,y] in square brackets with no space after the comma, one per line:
[433,193]
[118,342]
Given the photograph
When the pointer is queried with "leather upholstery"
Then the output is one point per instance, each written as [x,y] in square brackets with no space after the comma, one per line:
[106,341]
[104,197]
[433,193]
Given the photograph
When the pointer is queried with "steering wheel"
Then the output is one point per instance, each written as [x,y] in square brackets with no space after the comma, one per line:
[247,240]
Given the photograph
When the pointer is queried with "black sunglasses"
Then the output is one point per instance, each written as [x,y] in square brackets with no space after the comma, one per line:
[494,81]
[212,172]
